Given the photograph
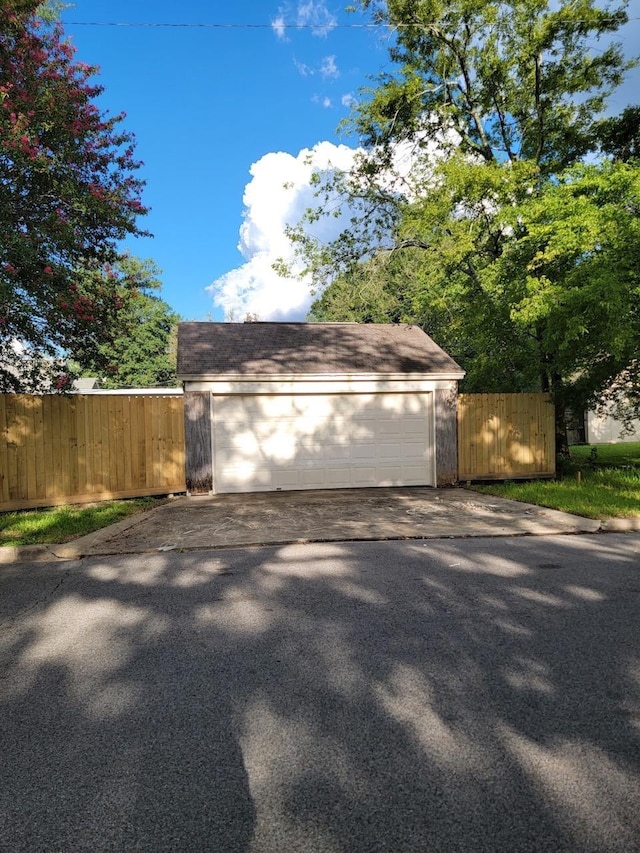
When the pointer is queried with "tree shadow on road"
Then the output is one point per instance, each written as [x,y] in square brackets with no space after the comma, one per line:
[421,696]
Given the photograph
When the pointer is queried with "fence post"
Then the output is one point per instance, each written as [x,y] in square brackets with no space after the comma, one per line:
[446,438]
[197,435]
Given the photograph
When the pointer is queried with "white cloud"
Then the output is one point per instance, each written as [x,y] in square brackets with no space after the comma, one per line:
[348,100]
[328,68]
[314,14]
[303,70]
[322,100]
[278,26]
[277,195]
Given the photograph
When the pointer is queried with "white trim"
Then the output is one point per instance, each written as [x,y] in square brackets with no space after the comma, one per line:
[434,439]
[212,439]
[333,385]
[130,392]
[319,377]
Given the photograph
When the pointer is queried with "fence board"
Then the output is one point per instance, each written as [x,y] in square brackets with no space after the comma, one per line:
[4,459]
[505,436]
[56,450]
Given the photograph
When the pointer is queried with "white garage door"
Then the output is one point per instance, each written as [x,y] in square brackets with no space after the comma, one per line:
[321,441]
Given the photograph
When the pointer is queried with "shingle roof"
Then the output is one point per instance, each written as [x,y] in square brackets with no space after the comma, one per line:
[206,349]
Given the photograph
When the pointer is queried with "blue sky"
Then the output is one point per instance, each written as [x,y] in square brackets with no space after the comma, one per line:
[205,104]
[221,116]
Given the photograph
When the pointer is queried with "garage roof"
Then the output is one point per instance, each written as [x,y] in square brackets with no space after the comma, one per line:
[208,349]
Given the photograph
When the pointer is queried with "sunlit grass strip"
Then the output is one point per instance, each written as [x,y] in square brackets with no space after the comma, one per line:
[602,493]
[63,523]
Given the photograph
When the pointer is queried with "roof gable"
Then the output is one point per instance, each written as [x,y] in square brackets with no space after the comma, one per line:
[213,349]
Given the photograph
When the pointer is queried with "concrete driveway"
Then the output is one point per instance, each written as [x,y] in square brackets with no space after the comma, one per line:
[442,696]
[264,518]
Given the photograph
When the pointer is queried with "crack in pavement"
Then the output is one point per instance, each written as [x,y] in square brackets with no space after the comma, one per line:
[8,623]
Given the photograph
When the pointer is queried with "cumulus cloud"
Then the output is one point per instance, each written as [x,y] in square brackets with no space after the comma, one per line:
[328,68]
[348,100]
[314,14]
[277,195]
[322,100]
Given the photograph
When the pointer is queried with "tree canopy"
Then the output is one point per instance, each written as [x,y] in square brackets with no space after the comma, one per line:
[143,353]
[472,210]
[512,79]
[68,194]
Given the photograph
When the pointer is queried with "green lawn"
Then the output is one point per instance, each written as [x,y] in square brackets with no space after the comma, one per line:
[602,481]
[610,455]
[63,523]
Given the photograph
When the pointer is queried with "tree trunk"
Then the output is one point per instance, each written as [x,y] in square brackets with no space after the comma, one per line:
[562,442]
[552,384]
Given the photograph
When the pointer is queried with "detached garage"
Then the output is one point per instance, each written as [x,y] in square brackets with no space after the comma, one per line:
[271,406]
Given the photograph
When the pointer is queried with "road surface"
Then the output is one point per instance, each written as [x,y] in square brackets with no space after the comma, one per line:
[443,695]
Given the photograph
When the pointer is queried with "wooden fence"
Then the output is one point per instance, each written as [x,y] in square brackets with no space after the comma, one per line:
[56,450]
[505,436]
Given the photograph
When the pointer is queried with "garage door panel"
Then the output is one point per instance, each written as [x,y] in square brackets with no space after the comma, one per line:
[363,451]
[337,453]
[286,478]
[229,457]
[388,428]
[239,478]
[313,479]
[393,451]
[414,451]
[414,428]
[391,475]
[364,476]
[309,441]
[338,477]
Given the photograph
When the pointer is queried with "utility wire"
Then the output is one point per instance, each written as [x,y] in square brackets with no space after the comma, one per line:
[213,26]
[273,26]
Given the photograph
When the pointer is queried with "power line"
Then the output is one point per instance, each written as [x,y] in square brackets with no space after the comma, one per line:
[276,25]
[219,26]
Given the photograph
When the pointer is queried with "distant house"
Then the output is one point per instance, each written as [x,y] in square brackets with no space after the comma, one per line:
[271,406]
[85,384]
[605,429]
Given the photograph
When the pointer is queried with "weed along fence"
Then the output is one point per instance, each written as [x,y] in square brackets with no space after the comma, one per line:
[56,450]
[505,436]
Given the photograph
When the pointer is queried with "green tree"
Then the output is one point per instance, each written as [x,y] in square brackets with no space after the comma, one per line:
[437,275]
[143,352]
[571,280]
[488,110]
[511,80]
[68,194]
[619,136]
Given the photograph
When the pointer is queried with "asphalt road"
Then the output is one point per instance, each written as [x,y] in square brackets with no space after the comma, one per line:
[448,695]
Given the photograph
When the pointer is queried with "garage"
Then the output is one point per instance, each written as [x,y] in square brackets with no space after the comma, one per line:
[278,406]
[321,441]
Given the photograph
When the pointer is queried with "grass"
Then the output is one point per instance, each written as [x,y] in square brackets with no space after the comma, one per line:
[63,523]
[600,481]
[608,455]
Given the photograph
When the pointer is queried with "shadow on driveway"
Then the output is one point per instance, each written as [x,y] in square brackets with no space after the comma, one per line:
[262,518]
